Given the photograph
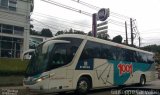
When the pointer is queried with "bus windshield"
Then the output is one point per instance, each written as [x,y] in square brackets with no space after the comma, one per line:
[48,56]
[56,55]
[38,62]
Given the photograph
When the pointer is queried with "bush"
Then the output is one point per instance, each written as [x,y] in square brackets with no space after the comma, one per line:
[11,66]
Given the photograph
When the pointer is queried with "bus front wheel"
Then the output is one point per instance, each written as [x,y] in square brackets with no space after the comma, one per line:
[142,80]
[83,86]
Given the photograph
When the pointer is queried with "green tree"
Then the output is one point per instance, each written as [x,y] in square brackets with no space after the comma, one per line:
[89,33]
[70,31]
[153,48]
[103,35]
[32,31]
[117,39]
[59,33]
[79,32]
[46,32]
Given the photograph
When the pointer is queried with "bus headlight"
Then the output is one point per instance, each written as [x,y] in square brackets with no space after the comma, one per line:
[39,80]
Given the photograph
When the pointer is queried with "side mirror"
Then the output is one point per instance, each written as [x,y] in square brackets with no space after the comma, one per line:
[26,55]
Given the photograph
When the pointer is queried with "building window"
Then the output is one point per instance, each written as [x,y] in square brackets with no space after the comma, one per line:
[10,29]
[12,5]
[9,4]
[7,29]
[0,28]
[18,30]
[4,3]
[10,47]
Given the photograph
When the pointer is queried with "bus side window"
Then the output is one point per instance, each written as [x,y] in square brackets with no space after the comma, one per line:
[84,54]
[91,50]
[73,50]
[135,56]
[150,58]
[106,52]
[113,52]
[128,55]
[144,57]
[120,54]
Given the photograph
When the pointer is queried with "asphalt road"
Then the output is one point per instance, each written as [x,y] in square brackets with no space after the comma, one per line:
[106,91]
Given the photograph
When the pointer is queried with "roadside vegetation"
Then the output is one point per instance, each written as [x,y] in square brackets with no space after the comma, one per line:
[11,66]
[12,71]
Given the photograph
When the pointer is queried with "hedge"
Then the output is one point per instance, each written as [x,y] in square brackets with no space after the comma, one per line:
[12,66]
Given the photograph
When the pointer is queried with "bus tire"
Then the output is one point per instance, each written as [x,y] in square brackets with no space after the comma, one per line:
[142,80]
[83,85]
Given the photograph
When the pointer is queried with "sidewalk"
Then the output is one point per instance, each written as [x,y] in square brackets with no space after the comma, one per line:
[13,90]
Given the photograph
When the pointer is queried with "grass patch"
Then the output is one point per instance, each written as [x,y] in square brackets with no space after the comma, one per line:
[11,80]
[12,66]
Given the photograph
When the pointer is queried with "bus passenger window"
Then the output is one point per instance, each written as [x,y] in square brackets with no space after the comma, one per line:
[91,50]
[106,52]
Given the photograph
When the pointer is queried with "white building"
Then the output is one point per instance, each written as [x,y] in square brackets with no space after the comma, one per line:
[14,27]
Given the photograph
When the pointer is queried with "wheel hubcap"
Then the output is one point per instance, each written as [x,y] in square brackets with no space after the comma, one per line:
[83,85]
[142,81]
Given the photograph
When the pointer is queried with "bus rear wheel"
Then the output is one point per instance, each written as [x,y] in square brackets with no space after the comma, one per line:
[83,86]
[142,80]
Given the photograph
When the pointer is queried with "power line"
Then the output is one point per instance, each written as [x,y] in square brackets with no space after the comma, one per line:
[67,21]
[117,15]
[118,32]
[56,26]
[44,24]
[83,3]
[60,19]
[150,38]
[64,25]
[151,33]
[80,29]
[40,25]
[120,15]
[67,7]
[77,10]
[87,4]
[150,30]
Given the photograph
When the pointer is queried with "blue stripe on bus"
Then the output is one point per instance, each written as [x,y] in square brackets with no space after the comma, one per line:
[118,79]
[121,79]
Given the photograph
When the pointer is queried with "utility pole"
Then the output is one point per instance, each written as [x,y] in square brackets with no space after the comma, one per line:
[131,22]
[94,25]
[126,33]
[139,41]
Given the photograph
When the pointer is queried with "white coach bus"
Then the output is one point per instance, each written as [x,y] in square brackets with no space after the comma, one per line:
[79,62]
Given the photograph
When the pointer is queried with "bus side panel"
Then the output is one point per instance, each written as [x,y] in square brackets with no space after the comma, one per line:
[111,72]
[103,73]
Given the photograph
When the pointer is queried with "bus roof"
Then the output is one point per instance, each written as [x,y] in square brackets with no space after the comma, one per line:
[99,41]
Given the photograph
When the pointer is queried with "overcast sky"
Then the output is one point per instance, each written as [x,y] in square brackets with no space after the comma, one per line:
[146,13]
